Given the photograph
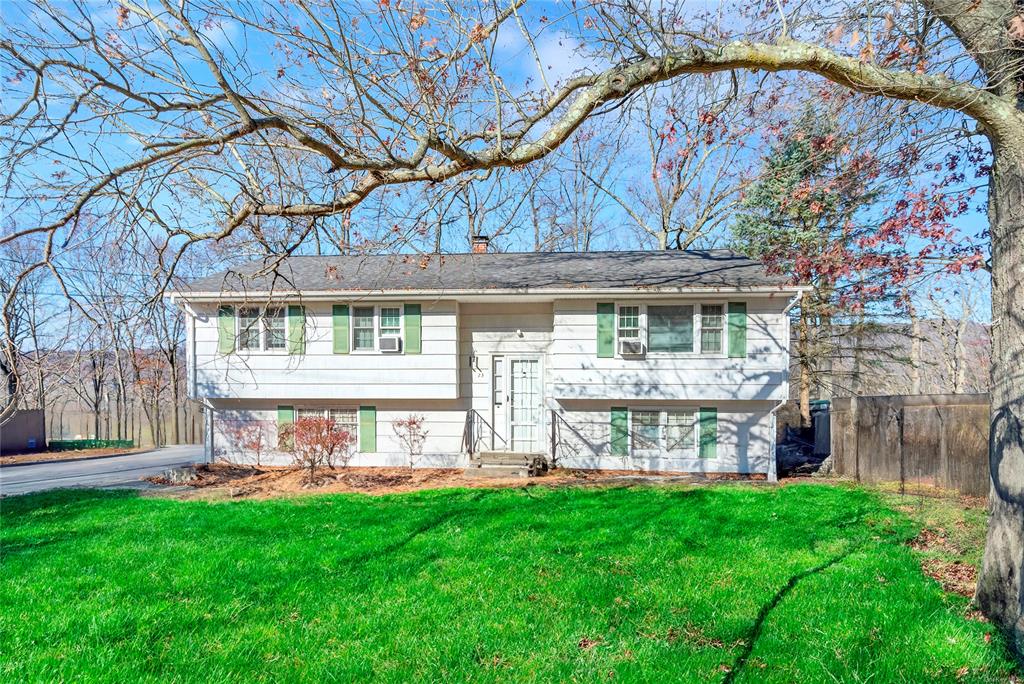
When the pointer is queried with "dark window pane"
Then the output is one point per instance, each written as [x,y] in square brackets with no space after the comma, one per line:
[670,328]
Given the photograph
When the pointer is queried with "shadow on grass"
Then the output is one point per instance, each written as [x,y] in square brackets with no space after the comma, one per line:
[57,508]
[418,531]
[766,609]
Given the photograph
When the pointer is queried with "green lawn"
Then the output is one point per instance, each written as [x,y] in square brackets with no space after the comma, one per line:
[800,583]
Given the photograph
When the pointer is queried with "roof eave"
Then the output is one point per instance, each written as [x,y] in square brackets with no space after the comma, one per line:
[552,293]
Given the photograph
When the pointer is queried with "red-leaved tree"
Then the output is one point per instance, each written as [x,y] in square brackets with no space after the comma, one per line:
[320,442]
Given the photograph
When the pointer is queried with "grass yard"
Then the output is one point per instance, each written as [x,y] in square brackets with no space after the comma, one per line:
[719,583]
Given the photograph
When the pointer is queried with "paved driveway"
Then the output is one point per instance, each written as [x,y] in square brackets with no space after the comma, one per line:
[115,471]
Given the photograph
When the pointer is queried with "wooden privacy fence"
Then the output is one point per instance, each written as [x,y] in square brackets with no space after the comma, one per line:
[939,440]
[24,431]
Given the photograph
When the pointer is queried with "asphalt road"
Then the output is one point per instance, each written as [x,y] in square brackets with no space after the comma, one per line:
[115,471]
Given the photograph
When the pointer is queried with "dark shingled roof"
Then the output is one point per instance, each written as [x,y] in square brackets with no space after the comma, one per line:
[496,271]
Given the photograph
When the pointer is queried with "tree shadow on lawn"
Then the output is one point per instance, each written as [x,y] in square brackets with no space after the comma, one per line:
[25,516]
[767,608]
[581,548]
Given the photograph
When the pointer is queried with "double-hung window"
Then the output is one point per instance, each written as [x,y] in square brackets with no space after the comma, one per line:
[274,336]
[672,431]
[681,433]
[711,324]
[646,430]
[309,413]
[629,322]
[390,321]
[347,418]
[249,329]
[371,322]
[262,329]
[673,328]
[363,329]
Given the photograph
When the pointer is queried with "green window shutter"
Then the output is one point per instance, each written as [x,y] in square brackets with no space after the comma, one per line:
[226,329]
[708,420]
[413,329]
[737,330]
[605,330]
[285,420]
[368,429]
[620,431]
[340,316]
[296,329]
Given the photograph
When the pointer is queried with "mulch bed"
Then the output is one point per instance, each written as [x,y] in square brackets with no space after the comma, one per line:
[230,480]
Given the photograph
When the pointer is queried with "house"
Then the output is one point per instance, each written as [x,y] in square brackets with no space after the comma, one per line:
[667,361]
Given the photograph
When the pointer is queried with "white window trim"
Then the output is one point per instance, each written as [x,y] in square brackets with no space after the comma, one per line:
[260,326]
[699,331]
[662,451]
[376,328]
[495,358]
[325,413]
[698,310]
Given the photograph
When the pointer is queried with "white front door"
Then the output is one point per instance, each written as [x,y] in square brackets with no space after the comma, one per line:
[525,408]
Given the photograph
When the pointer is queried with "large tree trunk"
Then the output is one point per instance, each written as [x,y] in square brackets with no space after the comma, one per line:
[1000,584]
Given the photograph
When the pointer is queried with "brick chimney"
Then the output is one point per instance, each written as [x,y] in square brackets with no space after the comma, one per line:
[480,244]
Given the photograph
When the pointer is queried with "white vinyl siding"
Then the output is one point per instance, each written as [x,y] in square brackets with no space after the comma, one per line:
[744,442]
[319,373]
[574,371]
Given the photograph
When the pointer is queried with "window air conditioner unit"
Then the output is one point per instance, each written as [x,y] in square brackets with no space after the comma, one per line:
[631,346]
[389,345]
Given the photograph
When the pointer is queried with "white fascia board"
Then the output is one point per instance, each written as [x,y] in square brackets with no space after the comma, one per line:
[547,294]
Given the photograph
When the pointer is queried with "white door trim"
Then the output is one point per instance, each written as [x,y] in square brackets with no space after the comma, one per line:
[539,431]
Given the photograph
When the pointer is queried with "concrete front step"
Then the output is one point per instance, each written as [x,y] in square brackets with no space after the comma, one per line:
[507,464]
[507,457]
[498,471]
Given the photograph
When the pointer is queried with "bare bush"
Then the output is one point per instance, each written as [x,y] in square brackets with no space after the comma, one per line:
[411,436]
[250,440]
